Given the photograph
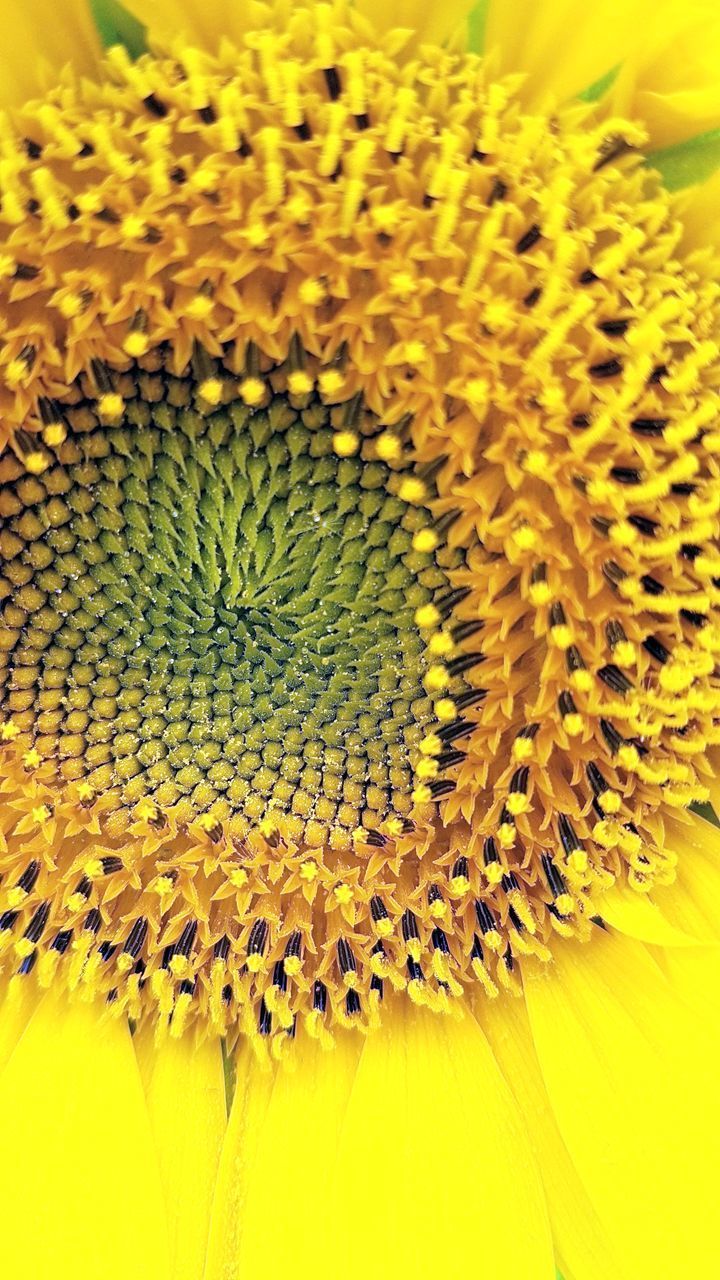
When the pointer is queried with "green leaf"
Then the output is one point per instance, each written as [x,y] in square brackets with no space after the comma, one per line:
[116,26]
[694,160]
[477,21]
[599,88]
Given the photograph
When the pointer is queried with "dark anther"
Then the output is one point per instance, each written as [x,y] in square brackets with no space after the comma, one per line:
[29,876]
[477,952]
[332,80]
[445,604]
[167,955]
[656,649]
[73,212]
[614,328]
[33,150]
[178,175]
[33,206]
[613,739]
[568,838]
[449,759]
[27,964]
[460,868]
[376,839]
[490,853]
[434,894]
[153,235]
[644,525]
[319,996]
[614,634]
[108,215]
[187,988]
[532,297]
[136,937]
[464,630]
[244,149]
[440,788]
[509,882]
[614,678]
[352,1003]
[465,662]
[554,877]
[37,924]
[695,619]
[376,984]
[625,475]
[566,704]
[207,114]
[7,920]
[574,659]
[362,121]
[111,864]
[515,920]
[106,951]
[499,191]
[427,201]
[519,779]
[93,921]
[683,490]
[87,149]
[26,271]
[414,970]
[258,938]
[509,959]
[613,573]
[456,729]
[531,237]
[62,941]
[484,916]
[378,910]
[292,946]
[649,426]
[587,277]
[690,551]
[606,369]
[227,993]
[221,950]
[581,420]
[303,131]
[660,371]
[346,959]
[528,731]
[409,925]
[611,149]
[440,942]
[279,976]
[156,108]
[595,778]
[599,922]
[651,585]
[183,946]
[264,1019]
[557,615]
[477,155]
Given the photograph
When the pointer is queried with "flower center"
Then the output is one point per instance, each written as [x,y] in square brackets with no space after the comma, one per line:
[215,608]
[360,549]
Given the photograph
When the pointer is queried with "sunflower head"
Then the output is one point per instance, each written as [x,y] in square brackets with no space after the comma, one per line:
[359,526]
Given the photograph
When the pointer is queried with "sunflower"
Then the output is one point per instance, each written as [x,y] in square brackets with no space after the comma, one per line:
[359,637]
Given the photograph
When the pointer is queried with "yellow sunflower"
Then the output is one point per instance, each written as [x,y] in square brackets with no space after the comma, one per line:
[359,639]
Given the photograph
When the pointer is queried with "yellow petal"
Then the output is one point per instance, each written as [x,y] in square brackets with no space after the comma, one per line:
[203,22]
[640,917]
[630,1072]
[274,1185]
[671,79]
[18,1002]
[582,1246]
[561,45]
[434,1164]
[185,1094]
[79,1186]
[692,903]
[431,22]
[39,38]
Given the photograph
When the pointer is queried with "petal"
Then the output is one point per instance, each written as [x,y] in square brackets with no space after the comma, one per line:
[692,902]
[637,915]
[79,1184]
[276,1165]
[432,22]
[18,1003]
[185,1094]
[630,1072]
[434,1162]
[203,22]
[582,1246]
[39,38]
[563,47]
[671,80]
